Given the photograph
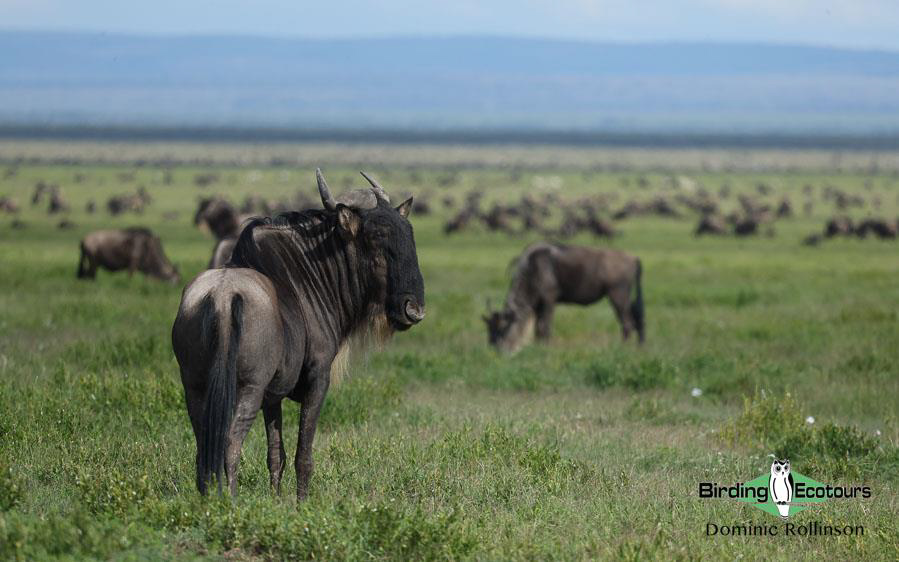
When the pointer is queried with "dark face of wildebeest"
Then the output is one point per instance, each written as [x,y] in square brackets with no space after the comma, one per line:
[383,235]
[499,324]
[507,329]
[158,265]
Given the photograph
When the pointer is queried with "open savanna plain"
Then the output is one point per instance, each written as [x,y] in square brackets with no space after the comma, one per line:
[436,447]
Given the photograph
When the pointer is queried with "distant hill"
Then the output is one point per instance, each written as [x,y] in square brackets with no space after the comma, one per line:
[444,83]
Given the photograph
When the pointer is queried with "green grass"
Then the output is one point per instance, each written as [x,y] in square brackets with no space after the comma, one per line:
[436,447]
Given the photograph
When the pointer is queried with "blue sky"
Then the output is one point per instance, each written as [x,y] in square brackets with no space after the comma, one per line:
[852,23]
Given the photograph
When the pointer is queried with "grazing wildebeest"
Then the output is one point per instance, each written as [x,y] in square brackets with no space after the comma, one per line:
[270,325]
[219,216]
[9,205]
[746,226]
[459,222]
[547,274]
[129,202]
[881,228]
[784,209]
[134,249]
[839,226]
[711,224]
[599,227]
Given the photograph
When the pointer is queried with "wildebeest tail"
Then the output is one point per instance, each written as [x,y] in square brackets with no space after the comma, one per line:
[637,306]
[220,397]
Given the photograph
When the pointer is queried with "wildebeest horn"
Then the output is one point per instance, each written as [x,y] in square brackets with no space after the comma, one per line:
[376,188]
[323,190]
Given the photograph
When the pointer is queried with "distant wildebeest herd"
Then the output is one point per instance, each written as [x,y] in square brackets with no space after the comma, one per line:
[286,291]
[598,214]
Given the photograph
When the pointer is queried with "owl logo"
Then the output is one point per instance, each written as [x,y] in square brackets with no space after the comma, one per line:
[780,484]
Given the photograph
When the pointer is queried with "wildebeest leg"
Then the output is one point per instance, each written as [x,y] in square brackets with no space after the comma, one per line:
[543,328]
[620,299]
[134,259]
[276,455]
[312,401]
[91,272]
[249,400]
[81,263]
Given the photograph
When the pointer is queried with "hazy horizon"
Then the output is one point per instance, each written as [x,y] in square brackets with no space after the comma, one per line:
[424,36]
[863,24]
[471,82]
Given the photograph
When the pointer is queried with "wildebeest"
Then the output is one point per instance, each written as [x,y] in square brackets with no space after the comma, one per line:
[270,325]
[711,224]
[219,216]
[52,192]
[41,190]
[839,226]
[599,227]
[459,221]
[222,252]
[204,180]
[9,205]
[746,226]
[58,204]
[881,228]
[134,249]
[784,209]
[547,274]
[129,202]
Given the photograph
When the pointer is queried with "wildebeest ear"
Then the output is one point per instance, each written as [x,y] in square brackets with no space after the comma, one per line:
[349,220]
[405,208]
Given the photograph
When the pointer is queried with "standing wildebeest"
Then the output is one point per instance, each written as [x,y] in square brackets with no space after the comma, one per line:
[271,324]
[134,249]
[222,252]
[219,216]
[547,274]
[222,220]
[133,202]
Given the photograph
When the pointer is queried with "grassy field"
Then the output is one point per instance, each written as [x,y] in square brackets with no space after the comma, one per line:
[436,447]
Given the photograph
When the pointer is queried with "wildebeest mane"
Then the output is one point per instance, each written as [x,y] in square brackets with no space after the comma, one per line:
[321,279]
